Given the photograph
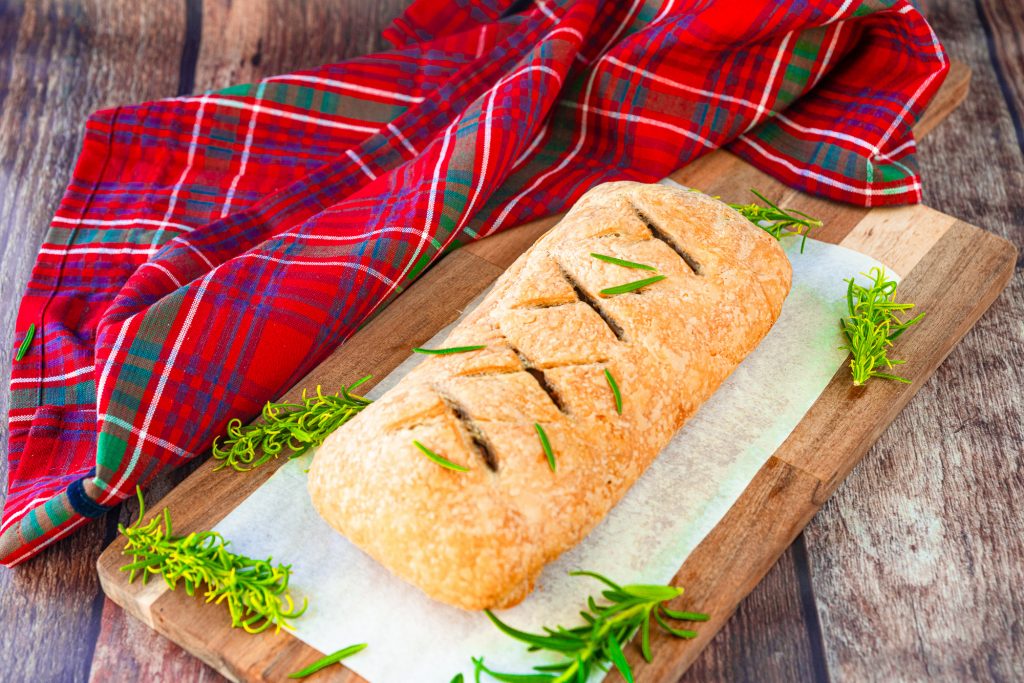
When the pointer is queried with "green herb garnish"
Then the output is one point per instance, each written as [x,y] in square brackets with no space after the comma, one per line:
[25,343]
[599,641]
[872,326]
[443,462]
[546,445]
[328,660]
[453,349]
[296,426]
[458,678]
[622,262]
[255,591]
[615,390]
[632,286]
[776,221]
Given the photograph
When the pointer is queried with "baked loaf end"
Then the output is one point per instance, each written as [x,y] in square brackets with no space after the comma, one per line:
[480,538]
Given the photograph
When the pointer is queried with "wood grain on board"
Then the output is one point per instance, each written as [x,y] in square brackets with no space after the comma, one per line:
[772,511]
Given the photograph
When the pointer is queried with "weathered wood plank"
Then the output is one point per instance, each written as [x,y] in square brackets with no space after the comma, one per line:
[914,559]
[60,60]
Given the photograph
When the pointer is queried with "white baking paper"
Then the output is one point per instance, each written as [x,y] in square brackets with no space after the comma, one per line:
[645,539]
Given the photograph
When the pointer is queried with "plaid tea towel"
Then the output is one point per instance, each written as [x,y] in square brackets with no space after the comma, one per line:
[210,250]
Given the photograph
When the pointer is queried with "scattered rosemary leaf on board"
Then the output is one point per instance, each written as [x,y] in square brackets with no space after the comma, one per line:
[25,343]
[615,390]
[776,221]
[255,591]
[325,662]
[297,426]
[622,262]
[443,462]
[599,640]
[632,286]
[872,326]
[546,445]
[453,349]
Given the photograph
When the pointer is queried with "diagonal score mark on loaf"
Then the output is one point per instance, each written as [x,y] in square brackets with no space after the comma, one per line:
[582,296]
[659,234]
[477,438]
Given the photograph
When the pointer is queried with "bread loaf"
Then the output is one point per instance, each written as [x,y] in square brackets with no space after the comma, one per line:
[480,538]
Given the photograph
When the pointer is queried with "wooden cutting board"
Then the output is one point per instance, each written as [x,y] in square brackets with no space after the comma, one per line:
[950,269]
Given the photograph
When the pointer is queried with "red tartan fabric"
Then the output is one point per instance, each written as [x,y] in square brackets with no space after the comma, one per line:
[210,250]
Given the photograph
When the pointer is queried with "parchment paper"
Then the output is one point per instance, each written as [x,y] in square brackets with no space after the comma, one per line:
[644,539]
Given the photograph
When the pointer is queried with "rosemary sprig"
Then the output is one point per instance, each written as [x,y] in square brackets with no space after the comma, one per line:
[615,390]
[872,326]
[255,591]
[25,343]
[296,426]
[598,641]
[450,350]
[443,462]
[325,662]
[622,262]
[776,221]
[546,445]
[632,286]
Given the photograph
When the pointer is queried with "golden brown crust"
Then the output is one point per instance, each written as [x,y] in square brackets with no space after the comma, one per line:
[480,538]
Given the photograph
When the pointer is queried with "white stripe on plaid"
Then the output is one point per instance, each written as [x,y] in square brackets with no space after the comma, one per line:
[173,201]
[55,378]
[125,221]
[326,123]
[365,169]
[250,133]
[113,491]
[341,85]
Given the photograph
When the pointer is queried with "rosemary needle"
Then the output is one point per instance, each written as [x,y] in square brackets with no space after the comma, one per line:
[615,390]
[622,262]
[546,445]
[325,662]
[443,462]
[450,350]
[26,342]
[632,286]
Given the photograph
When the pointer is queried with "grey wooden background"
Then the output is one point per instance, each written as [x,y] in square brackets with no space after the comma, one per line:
[913,571]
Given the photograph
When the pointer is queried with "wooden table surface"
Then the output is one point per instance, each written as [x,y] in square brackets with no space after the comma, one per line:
[912,571]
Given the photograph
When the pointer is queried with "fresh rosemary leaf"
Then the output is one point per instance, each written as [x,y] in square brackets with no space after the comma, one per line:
[296,426]
[479,667]
[25,343]
[546,445]
[622,262]
[599,640]
[619,659]
[632,286]
[458,678]
[776,221]
[255,591]
[450,350]
[615,390]
[872,326]
[443,462]
[325,662]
